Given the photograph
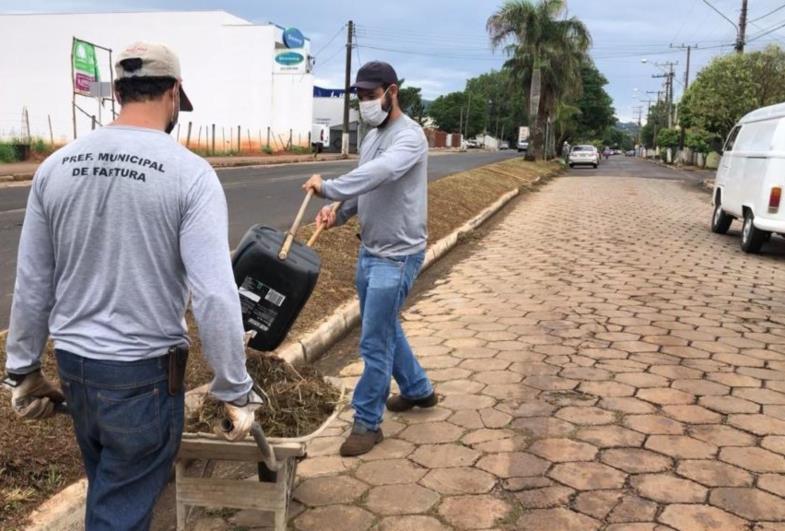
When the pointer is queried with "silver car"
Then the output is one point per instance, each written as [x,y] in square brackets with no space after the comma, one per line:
[584,155]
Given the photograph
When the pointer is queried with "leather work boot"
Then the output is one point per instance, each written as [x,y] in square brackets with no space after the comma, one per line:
[399,403]
[361,441]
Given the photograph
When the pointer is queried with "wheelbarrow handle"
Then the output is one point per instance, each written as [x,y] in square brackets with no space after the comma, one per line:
[287,244]
[320,228]
[268,454]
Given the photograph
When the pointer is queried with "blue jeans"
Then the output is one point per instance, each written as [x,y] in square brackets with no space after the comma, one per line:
[128,428]
[383,284]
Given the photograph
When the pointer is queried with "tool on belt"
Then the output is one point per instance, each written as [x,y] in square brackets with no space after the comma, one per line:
[275,275]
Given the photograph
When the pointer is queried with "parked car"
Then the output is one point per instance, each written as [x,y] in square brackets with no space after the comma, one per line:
[504,145]
[750,178]
[523,145]
[584,155]
[471,144]
[630,153]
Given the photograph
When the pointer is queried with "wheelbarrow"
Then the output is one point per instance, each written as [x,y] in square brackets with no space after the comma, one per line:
[276,460]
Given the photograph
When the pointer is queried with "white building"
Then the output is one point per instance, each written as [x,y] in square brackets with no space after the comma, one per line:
[228,66]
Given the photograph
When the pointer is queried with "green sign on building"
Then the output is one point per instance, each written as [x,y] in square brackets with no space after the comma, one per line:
[85,66]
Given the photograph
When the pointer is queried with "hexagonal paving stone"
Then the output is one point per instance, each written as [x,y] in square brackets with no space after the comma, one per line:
[591,416]
[676,371]
[729,404]
[635,460]
[653,424]
[753,504]
[545,497]
[597,503]
[753,459]
[497,377]
[774,483]
[432,433]
[533,408]
[588,475]
[665,396]
[411,523]
[701,387]
[633,509]
[627,404]
[714,473]
[761,396]
[775,443]
[559,518]
[401,499]
[642,379]
[467,418]
[681,446]
[486,435]
[439,362]
[692,414]
[665,488]
[459,481]
[459,387]
[444,456]
[493,418]
[563,450]
[473,512]
[732,379]
[758,424]
[467,401]
[334,518]
[420,415]
[390,472]
[475,365]
[445,375]
[389,449]
[511,392]
[700,518]
[514,464]
[329,490]
[543,426]
[550,383]
[321,466]
[607,389]
[610,436]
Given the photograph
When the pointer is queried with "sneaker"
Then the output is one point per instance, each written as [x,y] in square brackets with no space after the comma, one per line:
[361,441]
[399,403]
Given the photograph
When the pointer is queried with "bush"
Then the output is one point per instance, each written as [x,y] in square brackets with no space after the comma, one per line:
[267,149]
[7,153]
[701,141]
[299,150]
[668,138]
[39,146]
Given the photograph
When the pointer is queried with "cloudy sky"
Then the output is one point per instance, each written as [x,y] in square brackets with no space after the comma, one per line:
[438,44]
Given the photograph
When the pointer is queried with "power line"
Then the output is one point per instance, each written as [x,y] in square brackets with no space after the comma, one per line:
[767,32]
[769,13]
[426,54]
[340,30]
[720,13]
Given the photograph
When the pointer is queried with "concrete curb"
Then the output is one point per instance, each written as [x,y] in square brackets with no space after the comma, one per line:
[65,510]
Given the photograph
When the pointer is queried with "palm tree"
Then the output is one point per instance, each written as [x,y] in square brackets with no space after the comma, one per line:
[546,51]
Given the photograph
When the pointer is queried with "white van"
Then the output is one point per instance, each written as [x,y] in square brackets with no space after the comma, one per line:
[751,177]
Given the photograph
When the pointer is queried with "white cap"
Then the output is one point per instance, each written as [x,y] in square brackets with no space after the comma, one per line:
[153,60]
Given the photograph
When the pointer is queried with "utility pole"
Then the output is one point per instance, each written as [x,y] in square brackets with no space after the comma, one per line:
[656,116]
[742,30]
[686,85]
[347,90]
[639,110]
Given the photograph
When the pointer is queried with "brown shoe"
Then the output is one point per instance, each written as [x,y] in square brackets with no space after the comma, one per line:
[399,403]
[359,443]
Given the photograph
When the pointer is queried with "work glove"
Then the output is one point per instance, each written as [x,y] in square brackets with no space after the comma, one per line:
[33,396]
[241,414]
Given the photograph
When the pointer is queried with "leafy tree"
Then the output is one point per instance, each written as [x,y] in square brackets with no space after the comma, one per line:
[595,104]
[702,141]
[730,87]
[505,112]
[616,138]
[451,110]
[410,100]
[546,52]
[668,138]
[656,121]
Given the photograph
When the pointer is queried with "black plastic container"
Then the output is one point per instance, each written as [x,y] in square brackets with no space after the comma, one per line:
[272,291]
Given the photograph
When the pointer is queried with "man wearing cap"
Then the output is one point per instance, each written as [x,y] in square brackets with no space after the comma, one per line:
[388,191]
[122,226]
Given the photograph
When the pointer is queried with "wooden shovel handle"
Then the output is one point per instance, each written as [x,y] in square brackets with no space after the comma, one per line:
[320,228]
[287,243]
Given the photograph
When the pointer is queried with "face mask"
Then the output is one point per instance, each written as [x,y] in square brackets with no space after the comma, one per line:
[175,112]
[372,113]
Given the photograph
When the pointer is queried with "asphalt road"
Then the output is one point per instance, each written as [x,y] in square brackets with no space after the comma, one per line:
[266,194]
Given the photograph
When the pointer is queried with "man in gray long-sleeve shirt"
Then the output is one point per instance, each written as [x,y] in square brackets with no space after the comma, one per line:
[389,193]
[121,227]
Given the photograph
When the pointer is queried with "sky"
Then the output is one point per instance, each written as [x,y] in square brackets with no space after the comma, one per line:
[438,44]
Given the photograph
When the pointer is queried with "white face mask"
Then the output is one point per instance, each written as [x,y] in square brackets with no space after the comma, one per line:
[372,113]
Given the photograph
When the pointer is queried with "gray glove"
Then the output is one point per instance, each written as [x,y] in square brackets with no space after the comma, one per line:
[241,414]
[33,396]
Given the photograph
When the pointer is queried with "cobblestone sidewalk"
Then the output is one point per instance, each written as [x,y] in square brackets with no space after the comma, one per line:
[604,361]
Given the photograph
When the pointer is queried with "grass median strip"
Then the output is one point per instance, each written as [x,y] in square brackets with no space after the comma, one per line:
[40,458]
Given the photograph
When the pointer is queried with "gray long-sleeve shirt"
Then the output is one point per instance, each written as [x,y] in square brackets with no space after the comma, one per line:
[121,226]
[388,190]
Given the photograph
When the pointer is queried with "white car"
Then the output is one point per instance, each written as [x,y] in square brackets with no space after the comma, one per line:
[751,177]
[584,155]
[523,145]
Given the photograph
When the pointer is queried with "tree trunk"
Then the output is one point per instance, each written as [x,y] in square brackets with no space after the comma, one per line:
[536,144]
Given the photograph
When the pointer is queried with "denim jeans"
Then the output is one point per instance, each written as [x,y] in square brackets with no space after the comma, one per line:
[383,284]
[128,428]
